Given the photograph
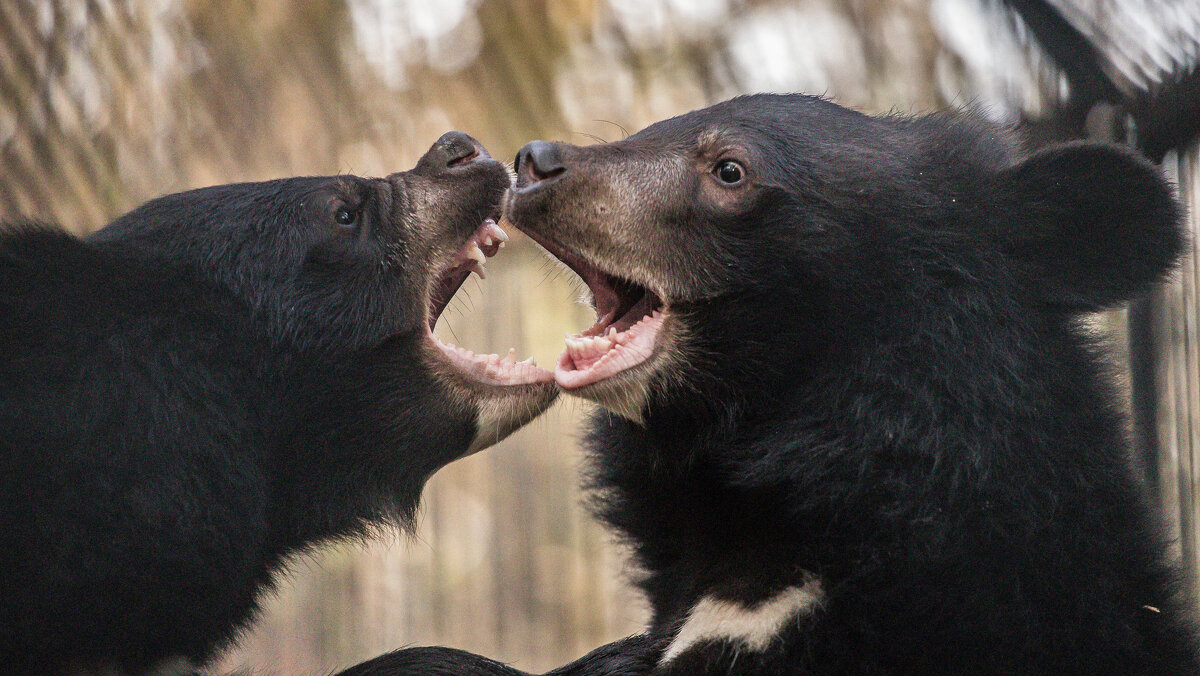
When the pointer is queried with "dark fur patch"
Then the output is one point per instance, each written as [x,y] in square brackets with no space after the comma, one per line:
[214,381]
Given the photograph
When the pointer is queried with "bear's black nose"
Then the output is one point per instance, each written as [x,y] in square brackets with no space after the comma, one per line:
[457,149]
[538,161]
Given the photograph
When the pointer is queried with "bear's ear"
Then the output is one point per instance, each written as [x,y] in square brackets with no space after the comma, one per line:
[1096,224]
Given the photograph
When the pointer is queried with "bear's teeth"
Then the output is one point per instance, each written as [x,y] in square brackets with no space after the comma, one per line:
[511,357]
[495,231]
[478,270]
[576,346]
[476,254]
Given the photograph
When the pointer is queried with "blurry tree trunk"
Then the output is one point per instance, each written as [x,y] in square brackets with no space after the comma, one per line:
[1165,339]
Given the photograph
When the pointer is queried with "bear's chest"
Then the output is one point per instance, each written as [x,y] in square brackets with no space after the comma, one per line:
[715,622]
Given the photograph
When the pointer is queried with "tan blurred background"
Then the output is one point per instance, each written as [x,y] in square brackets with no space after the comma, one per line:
[105,103]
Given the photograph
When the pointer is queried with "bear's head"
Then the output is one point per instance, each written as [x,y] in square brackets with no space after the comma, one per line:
[775,240]
[338,265]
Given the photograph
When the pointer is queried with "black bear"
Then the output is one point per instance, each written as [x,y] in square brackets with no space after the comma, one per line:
[854,423]
[221,378]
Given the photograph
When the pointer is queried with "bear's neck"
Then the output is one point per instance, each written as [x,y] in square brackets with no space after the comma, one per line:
[902,448]
[359,437]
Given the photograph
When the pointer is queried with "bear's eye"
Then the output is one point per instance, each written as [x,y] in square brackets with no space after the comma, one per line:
[729,172]
[346,217]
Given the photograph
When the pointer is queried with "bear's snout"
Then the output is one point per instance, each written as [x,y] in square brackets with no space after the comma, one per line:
[453,150]
[537,162]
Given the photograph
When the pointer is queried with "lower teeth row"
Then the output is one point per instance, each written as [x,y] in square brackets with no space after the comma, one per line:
[510,358]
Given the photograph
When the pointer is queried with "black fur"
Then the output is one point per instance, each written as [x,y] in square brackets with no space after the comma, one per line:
[212,382]
[633,655]
[903,403]
[880,380]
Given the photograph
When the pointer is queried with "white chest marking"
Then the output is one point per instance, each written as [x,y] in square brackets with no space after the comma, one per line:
[753,627]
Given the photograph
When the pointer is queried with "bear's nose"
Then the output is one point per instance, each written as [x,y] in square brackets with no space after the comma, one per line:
[538,161]
[456,149]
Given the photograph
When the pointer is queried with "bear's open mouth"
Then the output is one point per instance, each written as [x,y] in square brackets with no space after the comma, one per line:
[489,369]
[629,318]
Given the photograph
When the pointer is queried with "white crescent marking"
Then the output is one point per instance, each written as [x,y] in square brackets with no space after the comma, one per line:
[752,627]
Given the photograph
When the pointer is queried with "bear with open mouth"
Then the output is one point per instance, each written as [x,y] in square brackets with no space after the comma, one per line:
[224,377]
[852,422]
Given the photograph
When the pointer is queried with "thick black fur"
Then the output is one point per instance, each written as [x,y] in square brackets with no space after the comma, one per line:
[885,384]
[210,383]
[633,655]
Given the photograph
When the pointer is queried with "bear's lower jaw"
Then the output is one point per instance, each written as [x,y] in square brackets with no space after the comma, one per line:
[651,353]
[500,395]
[633,324]
[492,369]
[498,417]
[590,359]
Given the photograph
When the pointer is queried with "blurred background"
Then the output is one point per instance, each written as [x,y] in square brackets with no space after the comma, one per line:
[106,103]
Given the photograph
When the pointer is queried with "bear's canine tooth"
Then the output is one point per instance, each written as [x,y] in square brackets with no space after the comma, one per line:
[496,231]
[476,254]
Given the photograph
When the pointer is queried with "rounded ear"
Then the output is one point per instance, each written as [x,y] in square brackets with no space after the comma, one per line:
[1096,224]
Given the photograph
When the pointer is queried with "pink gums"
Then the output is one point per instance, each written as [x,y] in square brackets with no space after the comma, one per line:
[590,359]
[491,369]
